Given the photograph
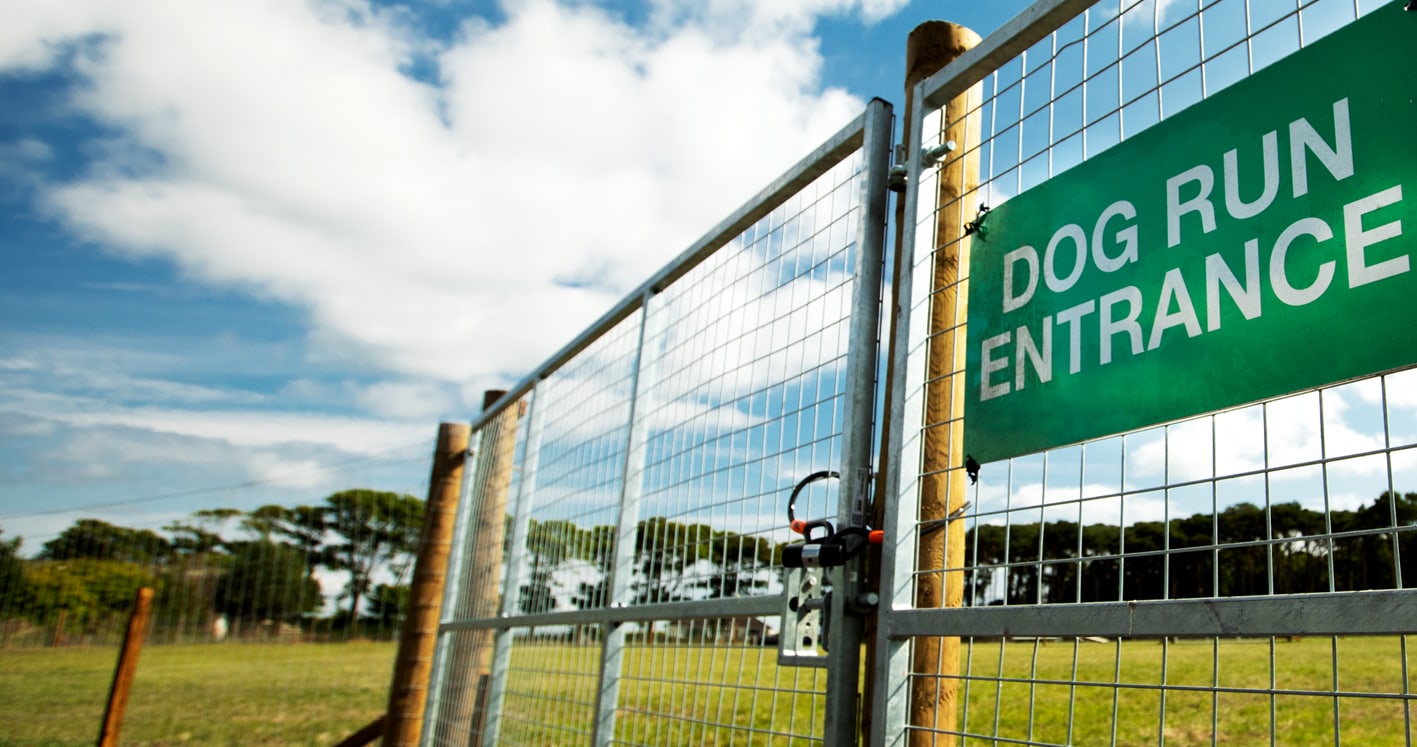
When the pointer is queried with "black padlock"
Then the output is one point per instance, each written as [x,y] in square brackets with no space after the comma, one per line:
[815,555]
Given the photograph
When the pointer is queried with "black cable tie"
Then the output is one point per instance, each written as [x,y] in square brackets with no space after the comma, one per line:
[933,524]
[977,225]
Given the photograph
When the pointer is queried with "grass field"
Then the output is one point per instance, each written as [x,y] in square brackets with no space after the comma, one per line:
[1230,701]
[229,694]
[312,694]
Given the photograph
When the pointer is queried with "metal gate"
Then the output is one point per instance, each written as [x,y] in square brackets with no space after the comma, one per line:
[1235,573]
[644,472]
[1240,576]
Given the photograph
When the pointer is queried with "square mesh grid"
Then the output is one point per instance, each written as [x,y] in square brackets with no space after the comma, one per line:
[647,508]
[562,552]
[717,684]
[745,394]
[571,495]
[1304,494]
[549,695]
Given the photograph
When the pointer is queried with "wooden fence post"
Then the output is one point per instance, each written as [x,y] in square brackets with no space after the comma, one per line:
[460,715]
[127,668]
[940,553]
[408,693]
[58,639]
[926,52]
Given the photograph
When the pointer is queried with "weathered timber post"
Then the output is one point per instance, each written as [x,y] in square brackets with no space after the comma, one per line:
[926,51]
[127,669]
[469,658]
[940,554]
[408,693]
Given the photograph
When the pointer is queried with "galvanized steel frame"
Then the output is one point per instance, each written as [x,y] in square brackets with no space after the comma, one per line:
[511,586]
[845,141]
[1355,613]
[870,134]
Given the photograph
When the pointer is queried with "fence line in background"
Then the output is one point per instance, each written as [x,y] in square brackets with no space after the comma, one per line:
[250,612]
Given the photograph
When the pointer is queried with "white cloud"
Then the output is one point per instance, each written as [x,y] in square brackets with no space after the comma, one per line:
[17,425]
[17,157]
[1239,440]
[736,18]
[1349,427]
[72,389]
[271,468]
[149,474]
[407,400]
[159,456]
[458,231]
[262,429]
[30,37]
[1184,453]
[1290,428]
[442,236]
[113,370]
[1401,390]
[107,425]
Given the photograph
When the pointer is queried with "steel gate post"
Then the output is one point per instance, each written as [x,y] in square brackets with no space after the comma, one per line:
[847,623]
[511,585]
[612,634]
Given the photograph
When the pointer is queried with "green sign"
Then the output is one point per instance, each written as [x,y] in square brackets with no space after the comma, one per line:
[1257,243]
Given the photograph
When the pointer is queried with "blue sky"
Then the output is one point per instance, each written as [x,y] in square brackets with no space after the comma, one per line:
[254,252]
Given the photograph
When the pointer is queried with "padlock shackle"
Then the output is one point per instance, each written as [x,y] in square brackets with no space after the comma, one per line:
[802,527]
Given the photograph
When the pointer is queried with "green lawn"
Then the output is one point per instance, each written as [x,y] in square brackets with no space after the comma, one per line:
[312,694]
[1199,700]
[228,694]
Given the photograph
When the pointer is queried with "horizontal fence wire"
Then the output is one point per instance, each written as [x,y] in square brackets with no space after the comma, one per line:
[275,618]
[646,508]
[1233,578]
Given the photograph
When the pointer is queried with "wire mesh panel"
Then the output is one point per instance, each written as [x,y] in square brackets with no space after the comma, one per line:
[563,547]
[642,596]
[549,695]
[715,682]
[1229,578]
[745,395]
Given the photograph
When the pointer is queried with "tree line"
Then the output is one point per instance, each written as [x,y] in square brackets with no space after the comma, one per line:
[83,581]
[1239,551]
[1242,550]
[259,566]
[85,578]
